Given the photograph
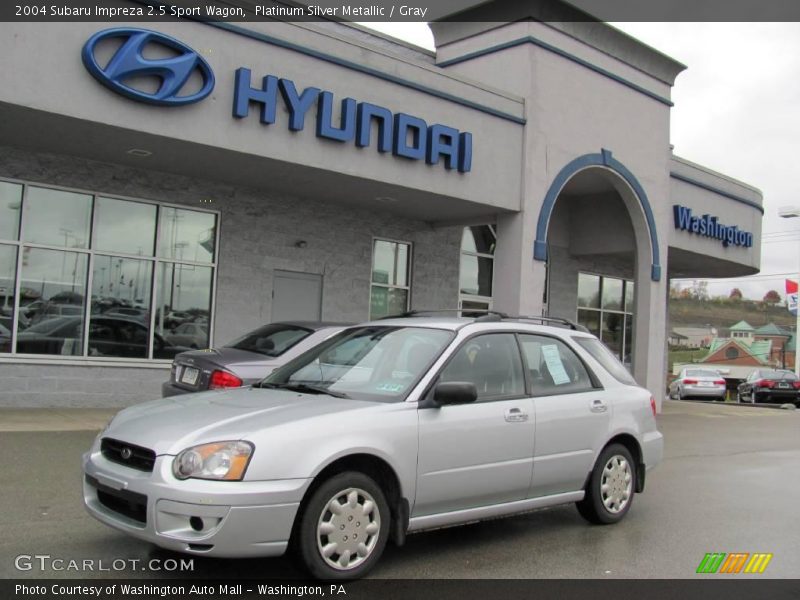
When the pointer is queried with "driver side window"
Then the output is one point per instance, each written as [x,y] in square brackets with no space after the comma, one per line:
[491,362]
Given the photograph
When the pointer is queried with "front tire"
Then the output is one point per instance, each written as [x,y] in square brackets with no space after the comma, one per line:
[610,490]
[344,527]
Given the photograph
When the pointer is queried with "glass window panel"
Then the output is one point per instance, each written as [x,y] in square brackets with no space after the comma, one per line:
[553,367]
[628,356]
[57,218]
[472,308]
[588,290]
[387,301]
[10,204]
[120,318]
[612,294]
[123,226]
[591,320]
[184,296]
[390,263]
[476,275]
[57,281]
[612,332]
[629,302]
[8,267]
[492,362]
[187,235]
[480,239]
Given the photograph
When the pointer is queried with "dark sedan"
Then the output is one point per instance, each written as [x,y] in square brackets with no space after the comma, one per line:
[770,385]
[108,336]
[247,359]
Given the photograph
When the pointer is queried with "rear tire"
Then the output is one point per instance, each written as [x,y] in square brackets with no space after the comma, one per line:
[344,527]
[610,489]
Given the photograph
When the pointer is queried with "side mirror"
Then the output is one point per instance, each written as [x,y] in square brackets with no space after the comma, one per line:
[454,392]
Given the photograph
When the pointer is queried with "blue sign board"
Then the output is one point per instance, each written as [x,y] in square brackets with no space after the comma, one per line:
[401,134]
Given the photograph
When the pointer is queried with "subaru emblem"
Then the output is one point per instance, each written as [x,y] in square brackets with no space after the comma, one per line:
[129,62]
[126,453]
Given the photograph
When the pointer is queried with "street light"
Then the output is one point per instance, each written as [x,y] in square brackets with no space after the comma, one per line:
[790,212]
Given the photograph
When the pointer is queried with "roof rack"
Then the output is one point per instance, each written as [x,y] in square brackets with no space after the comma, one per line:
[547,320]
[492,316]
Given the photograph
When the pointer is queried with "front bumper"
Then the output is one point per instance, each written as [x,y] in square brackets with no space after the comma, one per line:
[237,518]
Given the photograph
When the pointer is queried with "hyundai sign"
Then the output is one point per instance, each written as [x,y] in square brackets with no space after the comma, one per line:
[403,134]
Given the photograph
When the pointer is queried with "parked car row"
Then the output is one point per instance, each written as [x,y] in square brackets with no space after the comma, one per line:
[760,386]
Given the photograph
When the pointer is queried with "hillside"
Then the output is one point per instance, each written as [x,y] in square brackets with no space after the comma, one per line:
[722,313]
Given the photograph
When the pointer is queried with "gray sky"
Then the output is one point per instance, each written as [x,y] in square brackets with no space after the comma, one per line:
[737,111]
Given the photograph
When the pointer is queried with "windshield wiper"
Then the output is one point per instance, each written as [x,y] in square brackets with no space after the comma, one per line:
[306,388]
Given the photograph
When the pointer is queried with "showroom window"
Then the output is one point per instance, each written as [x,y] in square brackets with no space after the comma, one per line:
[87,275]
[390,289]
[605,307]
[476,270]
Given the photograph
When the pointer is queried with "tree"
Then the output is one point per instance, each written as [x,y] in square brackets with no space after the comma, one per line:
[736,294]
[772,298]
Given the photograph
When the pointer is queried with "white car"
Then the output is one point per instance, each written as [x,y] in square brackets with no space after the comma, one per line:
[386,428]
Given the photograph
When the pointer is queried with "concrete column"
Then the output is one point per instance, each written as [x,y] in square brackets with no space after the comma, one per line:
[518,279]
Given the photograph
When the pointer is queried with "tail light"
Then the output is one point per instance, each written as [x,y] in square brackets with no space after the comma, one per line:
[653,404]
[796,385]
[690,382]
[223,379]
[765,383]
[720,382]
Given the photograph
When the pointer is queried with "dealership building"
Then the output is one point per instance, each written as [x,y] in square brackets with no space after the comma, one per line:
[229,175]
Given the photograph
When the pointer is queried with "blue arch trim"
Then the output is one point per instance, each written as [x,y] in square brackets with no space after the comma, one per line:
[602,159]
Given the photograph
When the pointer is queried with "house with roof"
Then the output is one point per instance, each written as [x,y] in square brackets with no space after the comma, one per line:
[692,337]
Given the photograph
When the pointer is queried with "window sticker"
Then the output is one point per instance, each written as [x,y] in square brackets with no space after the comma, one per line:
[392,388]
[553,360]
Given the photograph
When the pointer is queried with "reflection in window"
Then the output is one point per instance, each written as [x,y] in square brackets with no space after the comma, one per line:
[390,289]
[492,363]
[476,271]
[70,259]
[123,226]
[184,296]
[57,218]
[58,279]
[605,308]
[187,235]
[10,204]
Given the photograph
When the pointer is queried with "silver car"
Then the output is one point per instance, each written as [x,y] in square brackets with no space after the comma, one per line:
[387,428]
[246,359]
[698,383]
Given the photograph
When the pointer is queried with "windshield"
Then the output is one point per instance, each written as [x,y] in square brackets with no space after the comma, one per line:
[778,375]
[366,363]
[271,340]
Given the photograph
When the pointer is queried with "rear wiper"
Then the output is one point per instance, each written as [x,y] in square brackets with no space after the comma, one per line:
[304,387]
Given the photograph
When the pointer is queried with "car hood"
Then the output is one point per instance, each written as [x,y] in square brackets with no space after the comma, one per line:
[225,357]
[170,425]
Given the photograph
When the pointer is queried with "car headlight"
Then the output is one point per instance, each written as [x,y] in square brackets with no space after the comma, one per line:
[219,460]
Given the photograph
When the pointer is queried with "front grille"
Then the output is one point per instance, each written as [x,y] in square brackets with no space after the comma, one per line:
[129,455]
[127,503]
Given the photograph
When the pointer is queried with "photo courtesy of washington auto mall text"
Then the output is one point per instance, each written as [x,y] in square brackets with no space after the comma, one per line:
[436,300]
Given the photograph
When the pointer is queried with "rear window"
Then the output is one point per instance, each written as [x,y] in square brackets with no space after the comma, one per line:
[701,373]
[271,340]
[778,375]
[606,358]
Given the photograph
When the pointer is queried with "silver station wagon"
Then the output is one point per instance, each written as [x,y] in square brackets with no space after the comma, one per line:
[386,428]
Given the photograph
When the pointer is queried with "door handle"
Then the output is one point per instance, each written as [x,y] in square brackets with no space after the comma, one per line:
[599,406]
[515,415]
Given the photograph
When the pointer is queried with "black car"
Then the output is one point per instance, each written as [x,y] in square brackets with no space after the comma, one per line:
[770,385]
[247,359]
[108,336]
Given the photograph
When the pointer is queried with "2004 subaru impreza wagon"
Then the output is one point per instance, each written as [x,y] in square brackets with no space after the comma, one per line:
[386,428]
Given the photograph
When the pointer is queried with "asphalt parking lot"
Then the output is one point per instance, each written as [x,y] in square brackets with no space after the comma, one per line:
[728,484]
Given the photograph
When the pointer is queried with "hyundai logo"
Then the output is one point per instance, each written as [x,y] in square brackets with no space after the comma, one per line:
[129,62]
[126,453]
